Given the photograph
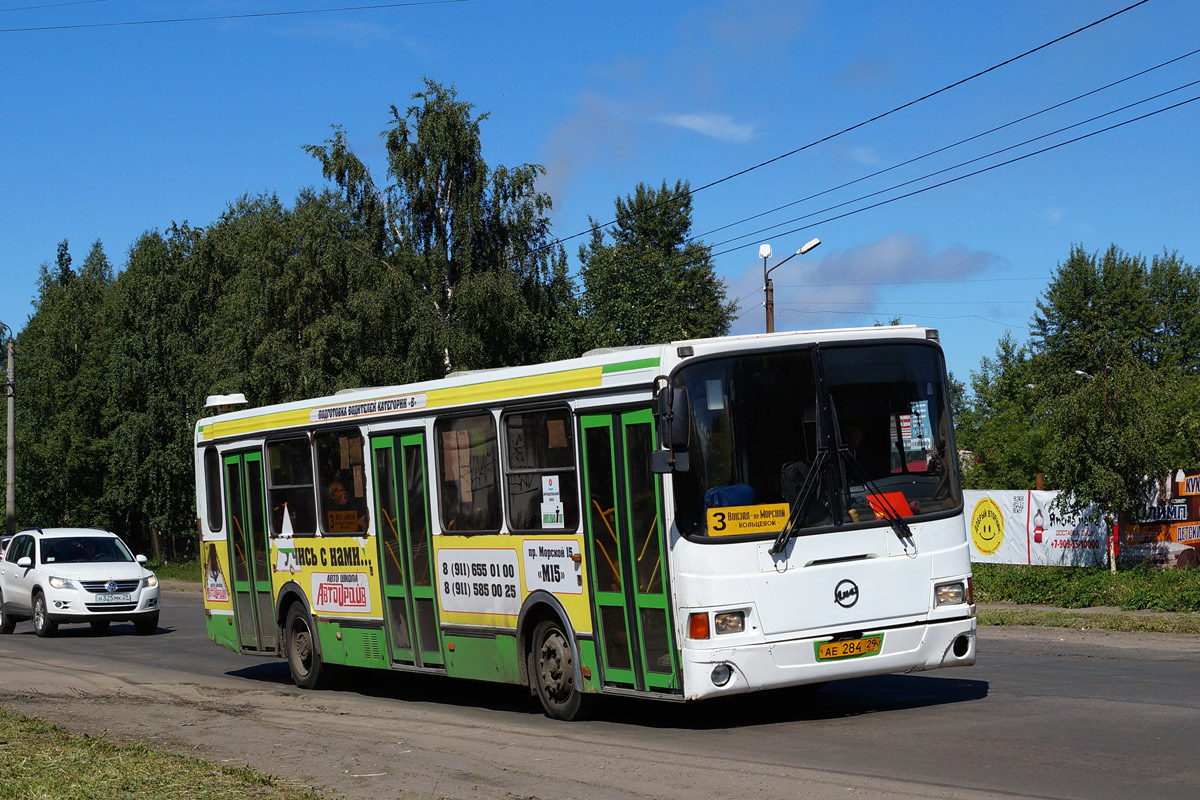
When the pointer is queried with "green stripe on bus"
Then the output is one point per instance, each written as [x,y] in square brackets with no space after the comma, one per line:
[624,366]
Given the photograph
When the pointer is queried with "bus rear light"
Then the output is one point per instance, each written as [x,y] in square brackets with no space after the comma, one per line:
[698,626]
[949,594]
[729,622]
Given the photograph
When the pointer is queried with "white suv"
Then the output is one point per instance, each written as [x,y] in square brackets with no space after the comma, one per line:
[61,575]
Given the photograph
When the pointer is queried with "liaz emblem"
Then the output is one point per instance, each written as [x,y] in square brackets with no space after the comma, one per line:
[845,594]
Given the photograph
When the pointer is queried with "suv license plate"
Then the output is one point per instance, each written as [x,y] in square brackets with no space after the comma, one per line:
[850,648]
[113,598]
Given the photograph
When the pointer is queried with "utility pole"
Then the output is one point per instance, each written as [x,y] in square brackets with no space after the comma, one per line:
[10,391]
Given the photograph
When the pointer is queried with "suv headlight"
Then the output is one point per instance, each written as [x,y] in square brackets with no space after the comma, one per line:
[151,581]
[61,583]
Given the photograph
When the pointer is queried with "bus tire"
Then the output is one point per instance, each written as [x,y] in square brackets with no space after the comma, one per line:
[554,671]
[301,647]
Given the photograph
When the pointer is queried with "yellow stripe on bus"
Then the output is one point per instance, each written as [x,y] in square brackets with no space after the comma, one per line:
[566,381]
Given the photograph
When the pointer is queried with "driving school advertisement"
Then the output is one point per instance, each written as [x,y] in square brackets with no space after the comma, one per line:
[1023,527]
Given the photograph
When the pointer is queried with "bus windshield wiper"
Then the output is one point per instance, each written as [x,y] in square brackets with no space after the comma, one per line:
[883,505]
[808,492]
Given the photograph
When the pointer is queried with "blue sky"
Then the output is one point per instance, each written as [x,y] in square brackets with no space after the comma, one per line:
[111,131]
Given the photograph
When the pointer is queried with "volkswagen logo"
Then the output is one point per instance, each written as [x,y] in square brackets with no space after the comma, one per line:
[110,587]
[845,594]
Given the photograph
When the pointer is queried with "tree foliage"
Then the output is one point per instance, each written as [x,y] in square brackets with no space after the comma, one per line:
[1101,398]
[652,282]
[446,263]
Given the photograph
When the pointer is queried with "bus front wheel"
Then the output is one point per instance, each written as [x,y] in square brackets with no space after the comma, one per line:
[300,642]
[554,671]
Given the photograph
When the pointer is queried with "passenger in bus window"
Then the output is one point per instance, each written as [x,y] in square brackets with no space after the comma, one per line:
[344,513]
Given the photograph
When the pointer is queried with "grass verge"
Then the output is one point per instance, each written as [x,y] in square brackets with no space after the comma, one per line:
[39,761]
[177,570]
[1098,620]
[1139,588]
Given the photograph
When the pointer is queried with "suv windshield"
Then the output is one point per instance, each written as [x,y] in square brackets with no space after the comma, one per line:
[81,549]
[880,445]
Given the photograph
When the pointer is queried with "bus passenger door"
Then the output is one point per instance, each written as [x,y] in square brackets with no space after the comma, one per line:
[626,552]
[406,550]
[249,552]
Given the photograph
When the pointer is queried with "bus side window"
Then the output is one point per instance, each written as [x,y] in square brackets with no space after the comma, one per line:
[341,482]
[539,475]
[290,486]
[468,474]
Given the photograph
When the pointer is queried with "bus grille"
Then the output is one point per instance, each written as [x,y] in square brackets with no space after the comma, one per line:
[371,648]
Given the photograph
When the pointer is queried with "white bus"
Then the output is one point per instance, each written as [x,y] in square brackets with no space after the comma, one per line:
[678,521]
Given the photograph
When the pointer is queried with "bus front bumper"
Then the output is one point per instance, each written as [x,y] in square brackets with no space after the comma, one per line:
[793,662]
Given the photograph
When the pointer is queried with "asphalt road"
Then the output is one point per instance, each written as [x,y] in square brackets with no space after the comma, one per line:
[1047,713]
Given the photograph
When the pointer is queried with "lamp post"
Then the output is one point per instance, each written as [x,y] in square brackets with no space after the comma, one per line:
[1111,520]
[764,252]
[10,391]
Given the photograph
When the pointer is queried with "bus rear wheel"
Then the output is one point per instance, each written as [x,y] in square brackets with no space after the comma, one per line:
[300,643]
[554,672]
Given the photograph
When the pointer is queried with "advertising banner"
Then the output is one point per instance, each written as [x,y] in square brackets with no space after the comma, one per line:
[1021,527]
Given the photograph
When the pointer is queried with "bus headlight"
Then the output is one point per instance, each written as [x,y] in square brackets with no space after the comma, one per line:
[949,594]
[729,622]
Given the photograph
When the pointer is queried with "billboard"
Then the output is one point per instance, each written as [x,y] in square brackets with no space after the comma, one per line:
[1021,527]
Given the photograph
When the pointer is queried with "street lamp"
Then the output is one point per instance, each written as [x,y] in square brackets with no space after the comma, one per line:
[1083,374]
[10,492]
[764,252]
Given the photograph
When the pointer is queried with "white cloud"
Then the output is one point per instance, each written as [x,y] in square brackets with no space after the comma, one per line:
[864,72]
[864,155]
[850,287]
[717,126]
[598,133]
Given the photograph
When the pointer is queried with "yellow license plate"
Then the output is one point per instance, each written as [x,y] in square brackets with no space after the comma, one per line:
[849,648]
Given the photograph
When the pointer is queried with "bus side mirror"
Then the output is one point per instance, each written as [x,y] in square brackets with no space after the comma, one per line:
[673,413]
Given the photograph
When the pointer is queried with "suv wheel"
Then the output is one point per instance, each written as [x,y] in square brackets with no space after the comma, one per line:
[146,625]
[7,623]
[42,624]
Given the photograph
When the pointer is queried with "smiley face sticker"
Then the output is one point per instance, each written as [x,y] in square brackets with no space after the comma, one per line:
[987,526]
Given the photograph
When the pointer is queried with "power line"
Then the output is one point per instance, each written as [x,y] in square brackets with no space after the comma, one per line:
[711,255]
[877,117]
[954,166]
[885,312]
[908,302]
[905,283]
[215,17]
[978,171]
[53,5]
[948,147]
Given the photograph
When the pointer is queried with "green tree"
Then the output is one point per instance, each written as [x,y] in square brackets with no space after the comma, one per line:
[1101,399]
[62,381]
[651,283]
[487,285]
[1003,425]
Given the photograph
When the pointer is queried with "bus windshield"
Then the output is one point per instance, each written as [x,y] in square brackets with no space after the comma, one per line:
[880,444]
